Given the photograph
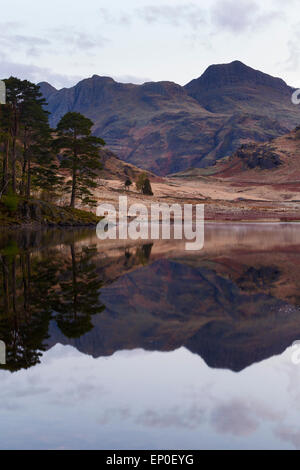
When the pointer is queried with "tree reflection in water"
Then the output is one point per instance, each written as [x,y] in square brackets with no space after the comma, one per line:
[59,283]
[52,276]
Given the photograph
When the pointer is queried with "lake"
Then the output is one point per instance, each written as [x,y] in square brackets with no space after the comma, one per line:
[143,345]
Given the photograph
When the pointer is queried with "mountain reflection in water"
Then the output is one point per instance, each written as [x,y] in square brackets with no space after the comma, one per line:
[234,303]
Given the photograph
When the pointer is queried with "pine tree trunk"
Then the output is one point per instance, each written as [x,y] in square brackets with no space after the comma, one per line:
[14,152]
[24,166]
[22,189]
[73,195]
[28,179]
[74,176]
[5,168]
[13,166]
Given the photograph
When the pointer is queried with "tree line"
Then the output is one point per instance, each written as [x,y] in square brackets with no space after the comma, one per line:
[60,283]
[61,286]
[38,159]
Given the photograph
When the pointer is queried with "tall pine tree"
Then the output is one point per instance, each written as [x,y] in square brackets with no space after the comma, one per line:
[38,168]
[14,100]
[27,141]
[80,155]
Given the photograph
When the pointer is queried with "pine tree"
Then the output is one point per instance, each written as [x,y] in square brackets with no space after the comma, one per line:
[27,138]
[14,100]
[80,155]
[38,164]
[78,293]
[143,184]
[5,141]
[127,183]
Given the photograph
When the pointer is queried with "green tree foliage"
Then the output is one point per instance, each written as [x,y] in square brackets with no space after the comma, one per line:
[25,311]
[38,166]
[10,201]
[127,183]
[146,189]
[5,143]
[28,149]
[143,184]
[80,155]
[59,283]
[26,140]
[14,102]
[143,253]
[78,295]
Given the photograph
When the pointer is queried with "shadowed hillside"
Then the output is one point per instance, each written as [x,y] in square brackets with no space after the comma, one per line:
[275,162]
[166,128]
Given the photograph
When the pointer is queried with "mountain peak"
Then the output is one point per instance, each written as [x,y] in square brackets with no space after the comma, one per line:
[233,74]
[96,82]
[46,89]
[236,66]
[102,78]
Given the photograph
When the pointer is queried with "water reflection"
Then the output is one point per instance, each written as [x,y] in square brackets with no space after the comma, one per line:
[59,283]
[234,303]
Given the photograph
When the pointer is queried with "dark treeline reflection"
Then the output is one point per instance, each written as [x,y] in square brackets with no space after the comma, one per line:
[53,276]
[59,283]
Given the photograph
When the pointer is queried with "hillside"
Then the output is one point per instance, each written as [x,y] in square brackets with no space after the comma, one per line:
[114,168]
[166,128]
[275,162]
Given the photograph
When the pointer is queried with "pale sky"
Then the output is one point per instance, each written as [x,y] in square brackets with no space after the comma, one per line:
[63,41]
[171,400]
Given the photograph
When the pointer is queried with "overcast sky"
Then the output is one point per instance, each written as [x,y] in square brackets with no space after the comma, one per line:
[63,41]
[171,400]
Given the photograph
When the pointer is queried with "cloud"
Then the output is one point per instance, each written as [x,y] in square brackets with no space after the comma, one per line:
[9,25]
[234,418]
[175,15]
[31,45]
[289,434]
[123,19]
[238,17]
[131,79]
[68,41]
[36,74]
[285,4]
[29,40]
[73,40]
[242,418]
[173,417]
[230,15]
[25,48]
[293,61]
[110,414]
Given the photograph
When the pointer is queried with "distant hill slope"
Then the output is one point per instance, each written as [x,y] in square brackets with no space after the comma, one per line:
[114,168]
[273,162]
[166,128]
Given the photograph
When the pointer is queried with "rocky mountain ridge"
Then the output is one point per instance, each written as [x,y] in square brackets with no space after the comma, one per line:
[166,128]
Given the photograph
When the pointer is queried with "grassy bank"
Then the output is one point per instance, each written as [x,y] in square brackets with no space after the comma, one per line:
[36,212]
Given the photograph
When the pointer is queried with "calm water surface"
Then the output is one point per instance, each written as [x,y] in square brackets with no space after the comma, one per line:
[148,346]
